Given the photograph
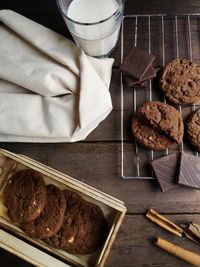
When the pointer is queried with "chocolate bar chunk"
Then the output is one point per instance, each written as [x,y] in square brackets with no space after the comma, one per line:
[165,169]
[131,81]
[149,74]
[136,63]
[189,173]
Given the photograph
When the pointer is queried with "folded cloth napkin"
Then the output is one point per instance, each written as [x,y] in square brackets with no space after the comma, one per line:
[50,91]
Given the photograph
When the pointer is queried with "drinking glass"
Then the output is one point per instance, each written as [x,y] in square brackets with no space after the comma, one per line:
[99,38]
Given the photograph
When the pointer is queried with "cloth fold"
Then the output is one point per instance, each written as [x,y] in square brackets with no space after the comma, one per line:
[50,91]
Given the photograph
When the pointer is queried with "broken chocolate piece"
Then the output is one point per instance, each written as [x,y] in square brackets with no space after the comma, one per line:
[136,63]
[130,82]
[165,170]
[189,173]
[150,73]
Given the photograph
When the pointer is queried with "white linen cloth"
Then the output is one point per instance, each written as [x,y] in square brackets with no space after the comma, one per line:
[50,91]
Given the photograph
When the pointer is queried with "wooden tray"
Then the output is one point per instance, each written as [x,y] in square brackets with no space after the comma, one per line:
[113,209]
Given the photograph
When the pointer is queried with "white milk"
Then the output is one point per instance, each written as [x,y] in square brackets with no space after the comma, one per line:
[98,39]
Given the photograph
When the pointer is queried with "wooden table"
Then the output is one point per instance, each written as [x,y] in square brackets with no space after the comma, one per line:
[96,161]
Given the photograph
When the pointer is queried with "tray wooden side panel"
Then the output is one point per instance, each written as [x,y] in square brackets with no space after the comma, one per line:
[28,252]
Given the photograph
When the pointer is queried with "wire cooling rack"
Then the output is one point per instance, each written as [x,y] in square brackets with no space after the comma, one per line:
[167,37]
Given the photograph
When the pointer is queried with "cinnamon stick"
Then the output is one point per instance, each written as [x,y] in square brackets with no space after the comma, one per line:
[190,235]
[192,231]
[164,222]
[179,252]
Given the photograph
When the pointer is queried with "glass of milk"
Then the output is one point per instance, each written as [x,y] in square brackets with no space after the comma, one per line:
[94,24]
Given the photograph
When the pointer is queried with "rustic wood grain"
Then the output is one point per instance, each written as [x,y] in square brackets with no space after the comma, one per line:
[97,160]
[161,7]
[135,243]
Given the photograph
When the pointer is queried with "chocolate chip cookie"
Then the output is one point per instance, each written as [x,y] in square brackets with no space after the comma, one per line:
[193,129]
[84,228]
[25,196]
[164,118]
[180,81]
[147,136]
[51,218]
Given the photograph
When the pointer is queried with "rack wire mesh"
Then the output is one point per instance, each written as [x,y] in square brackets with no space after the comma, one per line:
[167,37]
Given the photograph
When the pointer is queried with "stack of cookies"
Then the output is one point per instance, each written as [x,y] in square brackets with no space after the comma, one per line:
[62,219]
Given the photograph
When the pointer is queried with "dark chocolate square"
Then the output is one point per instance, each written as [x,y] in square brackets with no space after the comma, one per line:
[136,63]
[165,169]
[189,173]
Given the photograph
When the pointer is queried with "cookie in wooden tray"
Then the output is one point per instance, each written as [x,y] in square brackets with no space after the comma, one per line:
[78,229]
[49,222]
[193,129]
[84,228]
[25,196]
[180,80]
[99,228]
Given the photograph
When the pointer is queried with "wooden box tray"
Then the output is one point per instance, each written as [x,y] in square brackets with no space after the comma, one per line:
[10,234]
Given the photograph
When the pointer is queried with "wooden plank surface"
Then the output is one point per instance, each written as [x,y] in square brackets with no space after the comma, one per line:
[139,250]
[97,160]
